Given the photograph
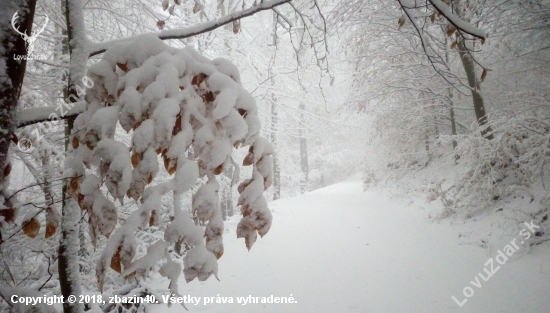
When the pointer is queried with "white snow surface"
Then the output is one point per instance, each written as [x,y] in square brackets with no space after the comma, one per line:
[340,249]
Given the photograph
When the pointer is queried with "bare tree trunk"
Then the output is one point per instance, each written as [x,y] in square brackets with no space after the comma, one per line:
[276,167]
[69,271]
[453,118]
[451,102]
[47,176]
[273,128]
[473,82]
[453,124]
[13,72]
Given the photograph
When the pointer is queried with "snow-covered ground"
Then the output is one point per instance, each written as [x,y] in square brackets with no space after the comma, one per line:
[340,249]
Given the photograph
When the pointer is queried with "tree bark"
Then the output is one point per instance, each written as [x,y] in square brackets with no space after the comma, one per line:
[69,271]
[98,48]
[451,102]
[276,167]
[473,82]
[12,72]
[274,121]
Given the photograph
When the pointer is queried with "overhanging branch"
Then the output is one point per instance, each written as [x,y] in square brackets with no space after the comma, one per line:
[42,114]
[457,22]
[32,116]
[98,48]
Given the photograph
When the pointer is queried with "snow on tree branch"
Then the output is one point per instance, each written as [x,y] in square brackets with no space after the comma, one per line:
[99,48]
[192,112]
[48,113]
[468,28]
[37,115]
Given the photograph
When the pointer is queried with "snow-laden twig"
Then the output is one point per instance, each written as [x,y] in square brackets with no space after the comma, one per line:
[98,48]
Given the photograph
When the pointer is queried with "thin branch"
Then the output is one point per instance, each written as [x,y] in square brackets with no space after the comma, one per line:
[36,115]
[456,21]
[39,184]
[205,27]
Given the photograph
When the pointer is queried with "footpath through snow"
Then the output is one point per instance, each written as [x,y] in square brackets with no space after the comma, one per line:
[339,249]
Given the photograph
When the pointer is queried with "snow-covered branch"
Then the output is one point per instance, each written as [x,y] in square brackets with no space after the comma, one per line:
[457,22]
[35,115]
[205,27]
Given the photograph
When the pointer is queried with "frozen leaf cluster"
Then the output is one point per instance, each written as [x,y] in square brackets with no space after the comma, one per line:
[187,113]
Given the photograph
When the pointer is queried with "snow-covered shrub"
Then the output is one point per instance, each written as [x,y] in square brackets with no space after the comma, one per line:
[370,179]
[514,163]
[191,112]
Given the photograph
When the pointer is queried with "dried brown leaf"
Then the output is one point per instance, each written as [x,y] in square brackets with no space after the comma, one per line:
[170,165]
[136,157]
[153,219]
[249,159]
[218,170]
[219,252]
[401,22]
[483,75]
[123,67]
[245,210]
[177,127]
[115,262]
[208,97]
[198,79]
[75,143]
[74,187]
[32,227]
[242,112]
[132,274]
[90,139]
[450,30]
[250,239]
[7,170]
[8,214]
[161,24]
[267,183]
[84,205]
[14,138]
[52,221]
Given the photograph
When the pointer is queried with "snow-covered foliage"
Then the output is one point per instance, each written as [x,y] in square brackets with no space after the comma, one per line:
[426,129]
[191,112]
[512,165]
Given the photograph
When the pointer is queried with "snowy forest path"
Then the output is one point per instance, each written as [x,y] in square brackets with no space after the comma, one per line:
[340,249]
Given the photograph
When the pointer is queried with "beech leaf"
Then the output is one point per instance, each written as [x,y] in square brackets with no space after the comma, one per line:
[401,22]
[160,24]
[483,75]
[32,227]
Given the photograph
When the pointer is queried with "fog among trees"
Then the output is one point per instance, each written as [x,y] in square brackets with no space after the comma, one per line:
[138,136]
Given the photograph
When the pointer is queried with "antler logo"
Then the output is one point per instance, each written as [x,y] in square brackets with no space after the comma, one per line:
[29,40]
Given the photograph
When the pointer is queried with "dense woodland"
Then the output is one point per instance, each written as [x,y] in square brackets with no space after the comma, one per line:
[137,127]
